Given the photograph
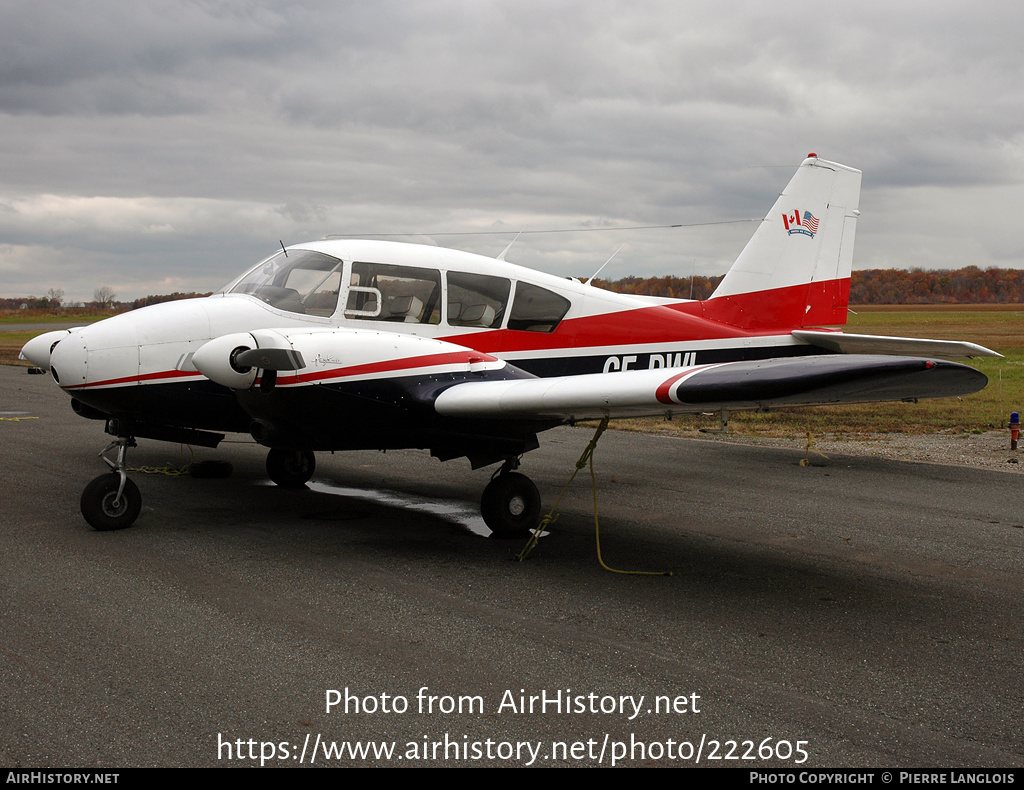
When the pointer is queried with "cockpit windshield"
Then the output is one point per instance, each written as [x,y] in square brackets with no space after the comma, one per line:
[301,281]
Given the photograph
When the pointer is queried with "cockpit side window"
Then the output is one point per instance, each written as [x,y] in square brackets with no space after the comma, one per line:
[477,299]
[300,282]
[385,292]
[536,309]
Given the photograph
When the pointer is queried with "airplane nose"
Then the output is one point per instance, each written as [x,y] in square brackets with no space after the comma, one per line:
[38,349]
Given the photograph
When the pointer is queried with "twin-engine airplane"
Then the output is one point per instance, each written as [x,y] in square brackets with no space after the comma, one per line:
[345,345]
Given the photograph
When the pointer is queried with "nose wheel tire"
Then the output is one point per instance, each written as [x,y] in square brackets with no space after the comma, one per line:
[290,468]
[510,505]
[102,507]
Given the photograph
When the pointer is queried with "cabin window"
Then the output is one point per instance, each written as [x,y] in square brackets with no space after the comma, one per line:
[536,309]
[404,294]
[477,299]
[300,282]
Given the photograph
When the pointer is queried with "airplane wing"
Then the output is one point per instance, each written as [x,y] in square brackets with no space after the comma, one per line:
[845,343]
[735,386]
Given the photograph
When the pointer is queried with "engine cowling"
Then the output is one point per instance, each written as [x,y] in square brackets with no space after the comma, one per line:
[217,360]
[37,350]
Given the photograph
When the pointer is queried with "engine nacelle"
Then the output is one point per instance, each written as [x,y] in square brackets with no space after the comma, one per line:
[37,350]
[216,360]
[236,360]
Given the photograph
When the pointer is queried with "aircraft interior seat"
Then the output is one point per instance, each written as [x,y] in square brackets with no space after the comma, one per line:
[405,308]
[477,315]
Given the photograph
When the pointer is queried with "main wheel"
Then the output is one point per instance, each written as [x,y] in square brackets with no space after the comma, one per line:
[99,506]
[290,468]
[510,504]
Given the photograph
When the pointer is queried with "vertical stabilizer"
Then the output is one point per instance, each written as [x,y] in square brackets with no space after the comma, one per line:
[795,270]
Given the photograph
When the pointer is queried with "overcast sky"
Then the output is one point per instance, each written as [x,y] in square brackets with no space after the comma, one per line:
[161,146]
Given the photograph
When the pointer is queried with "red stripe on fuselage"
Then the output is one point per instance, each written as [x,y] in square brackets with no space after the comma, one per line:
[163,374]
[779,310]
[644,325]
[414,363]
[407,364]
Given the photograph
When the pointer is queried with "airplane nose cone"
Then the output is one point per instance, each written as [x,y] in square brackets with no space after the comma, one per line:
[38,349]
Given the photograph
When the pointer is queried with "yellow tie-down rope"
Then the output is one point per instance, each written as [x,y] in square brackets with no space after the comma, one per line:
[170,471]
[552,515]
[806,460]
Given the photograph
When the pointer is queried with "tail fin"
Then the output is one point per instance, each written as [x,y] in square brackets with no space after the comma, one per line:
[795,270]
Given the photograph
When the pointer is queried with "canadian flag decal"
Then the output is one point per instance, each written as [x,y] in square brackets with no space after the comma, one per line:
[806,224]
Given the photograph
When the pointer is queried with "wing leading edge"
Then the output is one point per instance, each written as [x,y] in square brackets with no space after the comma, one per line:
[736,386]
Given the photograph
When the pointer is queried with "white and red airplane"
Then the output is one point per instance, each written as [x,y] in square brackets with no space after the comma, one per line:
[344,345]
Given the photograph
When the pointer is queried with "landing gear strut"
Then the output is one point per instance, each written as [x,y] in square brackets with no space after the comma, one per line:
[511,502]
[290,468]
[112,501]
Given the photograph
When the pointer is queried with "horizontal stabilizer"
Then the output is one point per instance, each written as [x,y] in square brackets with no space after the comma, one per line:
[844,343]
[736,386]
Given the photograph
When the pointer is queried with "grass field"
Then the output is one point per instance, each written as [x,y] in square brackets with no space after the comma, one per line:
[8,317]
[12,341]
[999,327]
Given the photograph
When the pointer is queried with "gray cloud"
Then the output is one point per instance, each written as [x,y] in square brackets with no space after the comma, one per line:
[216,128]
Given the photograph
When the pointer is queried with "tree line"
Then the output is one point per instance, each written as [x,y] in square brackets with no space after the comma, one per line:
[103,299]
[970,285]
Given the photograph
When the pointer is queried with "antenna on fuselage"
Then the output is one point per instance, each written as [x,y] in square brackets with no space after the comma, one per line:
[281,242]
[604,264]
[504,252]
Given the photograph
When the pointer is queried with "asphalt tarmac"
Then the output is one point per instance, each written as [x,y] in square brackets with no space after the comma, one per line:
[853,613]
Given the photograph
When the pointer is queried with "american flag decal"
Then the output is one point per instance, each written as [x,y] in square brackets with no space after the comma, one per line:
[795,223]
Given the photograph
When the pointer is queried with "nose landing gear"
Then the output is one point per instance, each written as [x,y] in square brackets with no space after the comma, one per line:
[112,501]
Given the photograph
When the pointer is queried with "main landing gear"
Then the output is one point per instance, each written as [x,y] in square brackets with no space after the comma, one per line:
[112,501]
[511,502]
[290,468]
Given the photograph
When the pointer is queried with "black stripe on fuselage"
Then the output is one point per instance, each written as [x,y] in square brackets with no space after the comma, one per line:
[197,403]
[546,367]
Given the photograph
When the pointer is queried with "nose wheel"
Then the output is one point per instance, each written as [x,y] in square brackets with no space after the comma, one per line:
[112,501]
[108,505]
